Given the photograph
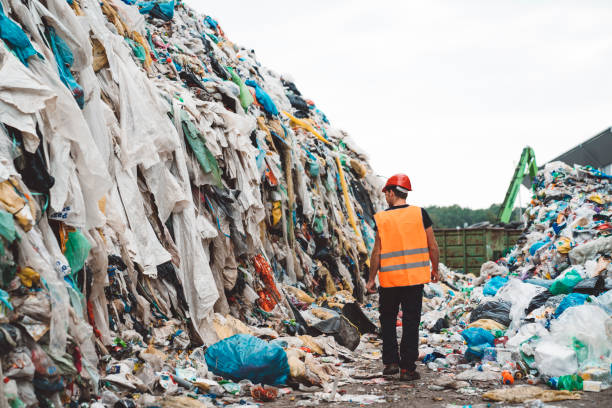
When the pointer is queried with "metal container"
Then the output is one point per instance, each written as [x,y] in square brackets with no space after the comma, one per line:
[467,249]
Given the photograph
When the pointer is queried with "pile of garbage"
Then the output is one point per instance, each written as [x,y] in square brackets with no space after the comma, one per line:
[542,314]
[161,192]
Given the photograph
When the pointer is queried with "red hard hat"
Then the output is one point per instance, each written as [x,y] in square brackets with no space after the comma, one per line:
[399,180]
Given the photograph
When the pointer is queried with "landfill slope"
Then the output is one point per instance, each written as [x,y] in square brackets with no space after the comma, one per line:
[156,179]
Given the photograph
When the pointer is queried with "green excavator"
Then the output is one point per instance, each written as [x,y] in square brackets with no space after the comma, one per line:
[526,165]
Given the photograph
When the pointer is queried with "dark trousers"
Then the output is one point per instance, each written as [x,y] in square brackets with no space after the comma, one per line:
[411,299]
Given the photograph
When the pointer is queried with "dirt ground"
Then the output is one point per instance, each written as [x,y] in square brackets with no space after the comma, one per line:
[416,394]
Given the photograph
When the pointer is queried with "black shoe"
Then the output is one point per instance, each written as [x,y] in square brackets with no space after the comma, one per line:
[406,375]
[391,369]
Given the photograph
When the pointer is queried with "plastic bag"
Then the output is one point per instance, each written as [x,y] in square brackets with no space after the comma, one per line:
[538,301]
[355,315]
[247,357]
[493,285]
[345,333]
[571,300]
[7,226]
[605,301]
[555,359]
[494,310]
[43,364]
[15,38]
[583,327]
[77,250]
[591,286]
[569,382]
[478,340]
[20,364]
[565,283]
[519,294]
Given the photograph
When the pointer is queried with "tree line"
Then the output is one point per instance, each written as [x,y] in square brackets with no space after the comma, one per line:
[454,216]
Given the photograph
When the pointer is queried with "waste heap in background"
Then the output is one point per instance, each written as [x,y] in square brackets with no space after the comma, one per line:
[153,173]
[543,312]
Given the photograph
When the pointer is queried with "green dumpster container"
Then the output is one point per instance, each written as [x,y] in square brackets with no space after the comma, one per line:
[467,249]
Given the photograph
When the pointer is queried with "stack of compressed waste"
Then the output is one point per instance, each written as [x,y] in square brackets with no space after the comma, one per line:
[542,314]
[168,207]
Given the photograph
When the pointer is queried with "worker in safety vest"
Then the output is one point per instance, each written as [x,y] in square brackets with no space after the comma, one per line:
[405,256]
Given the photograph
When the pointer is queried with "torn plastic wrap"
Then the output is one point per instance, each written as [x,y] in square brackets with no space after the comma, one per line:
[148,179]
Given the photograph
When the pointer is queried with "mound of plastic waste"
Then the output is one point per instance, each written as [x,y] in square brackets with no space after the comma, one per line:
[542,313]
[160,190]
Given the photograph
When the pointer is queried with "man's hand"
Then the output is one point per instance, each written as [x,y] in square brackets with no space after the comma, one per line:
[371,286]
[435,276]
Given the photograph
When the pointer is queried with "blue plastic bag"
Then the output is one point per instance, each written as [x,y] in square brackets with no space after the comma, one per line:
[477,339]
[245,357]
[535,247]
[493,285]
[15,38]
[571,300]
[263,98]
[65,59]
[158,9]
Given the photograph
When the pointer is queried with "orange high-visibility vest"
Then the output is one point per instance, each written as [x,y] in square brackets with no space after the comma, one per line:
[404,253]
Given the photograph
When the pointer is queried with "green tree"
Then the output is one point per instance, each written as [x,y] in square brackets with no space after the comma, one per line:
[454,216]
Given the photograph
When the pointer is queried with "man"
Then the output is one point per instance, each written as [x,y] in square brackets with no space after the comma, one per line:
[406,257]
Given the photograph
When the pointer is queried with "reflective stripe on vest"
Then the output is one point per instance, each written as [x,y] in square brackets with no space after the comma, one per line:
[404,254]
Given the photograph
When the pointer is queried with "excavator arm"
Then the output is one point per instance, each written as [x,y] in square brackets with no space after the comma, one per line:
[527,164]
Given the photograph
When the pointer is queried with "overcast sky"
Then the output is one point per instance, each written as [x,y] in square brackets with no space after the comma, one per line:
[448,92]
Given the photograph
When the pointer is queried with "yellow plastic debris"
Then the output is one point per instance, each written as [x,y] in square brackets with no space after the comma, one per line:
[563,245]
[277,212]
[487,324]
[596,198]
[312,344]
[300,294]
[28,276]
[307,126]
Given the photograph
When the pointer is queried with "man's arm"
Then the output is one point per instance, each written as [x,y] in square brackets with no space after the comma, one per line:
[374,265]
[434,253]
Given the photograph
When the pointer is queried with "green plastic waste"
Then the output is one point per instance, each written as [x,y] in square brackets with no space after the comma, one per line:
[77,250]
[570,382]
[318,224]
[565,284]
[198,145]
[137,49]
[313,168]
[7,226]
[246,99]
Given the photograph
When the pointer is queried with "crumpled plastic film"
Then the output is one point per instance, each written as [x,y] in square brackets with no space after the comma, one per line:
[149,182]
[544,305]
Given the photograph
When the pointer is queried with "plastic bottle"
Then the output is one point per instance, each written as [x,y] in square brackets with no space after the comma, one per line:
[507,377]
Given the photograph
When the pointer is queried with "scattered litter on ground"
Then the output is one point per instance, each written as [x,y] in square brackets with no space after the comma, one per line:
[180,226]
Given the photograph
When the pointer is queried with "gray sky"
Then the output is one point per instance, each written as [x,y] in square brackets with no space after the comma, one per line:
[448,92]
